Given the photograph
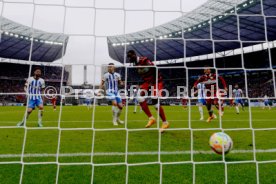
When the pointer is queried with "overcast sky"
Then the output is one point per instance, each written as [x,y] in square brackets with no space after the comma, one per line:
[88,22]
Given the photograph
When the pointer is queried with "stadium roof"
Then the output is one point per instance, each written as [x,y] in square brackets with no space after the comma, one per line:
[16,43]
[193,33]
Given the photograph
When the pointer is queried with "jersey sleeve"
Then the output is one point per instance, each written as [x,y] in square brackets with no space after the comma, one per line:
[198,81]
[222,81]
[42,83]
[146,61]
[28,81]
[104,77]
[119,77]
[149,62]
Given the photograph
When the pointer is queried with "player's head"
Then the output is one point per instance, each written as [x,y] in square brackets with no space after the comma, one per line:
[111,68]
[207,69]
[131,56]
[37,72]
[236,86]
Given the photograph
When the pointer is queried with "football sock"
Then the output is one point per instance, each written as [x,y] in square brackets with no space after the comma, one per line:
[114,113]
[135,107]
[162,114]
[27,116]
[145,108]
[118,113]
[40,114]
[200,108]
[237,109]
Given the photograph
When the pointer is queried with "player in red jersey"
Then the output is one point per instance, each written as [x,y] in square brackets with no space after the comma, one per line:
[54,102]
[210,81]
[231,102]
[184,102]
[150,81]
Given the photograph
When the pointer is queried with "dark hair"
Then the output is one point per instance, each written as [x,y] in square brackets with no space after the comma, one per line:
[131,52]
[110,64]
[37,68]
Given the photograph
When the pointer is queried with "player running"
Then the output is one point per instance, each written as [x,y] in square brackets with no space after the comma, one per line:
[110,82]
[210,81]
[148,74]
[34,87]
[54,102]
[266,102]
[238,94]
[88,101]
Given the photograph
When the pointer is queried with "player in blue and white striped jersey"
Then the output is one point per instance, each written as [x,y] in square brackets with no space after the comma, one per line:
[111,81]
[201,96]
[135,99]
[238,94]
[34,87]
[266,102]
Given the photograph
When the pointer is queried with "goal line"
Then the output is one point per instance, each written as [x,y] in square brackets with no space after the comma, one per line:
[131,153]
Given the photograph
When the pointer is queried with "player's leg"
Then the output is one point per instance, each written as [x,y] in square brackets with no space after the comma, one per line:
[114,112]
[112,98]
[219,105]
[242,104]
[40,112]
[200,109]
[267,105]
[210,110]
[144,105]
[87,104]
[159,108]
[135,106]
[237,106]
[54,105]
[119,109]
[90,104]
[31,106]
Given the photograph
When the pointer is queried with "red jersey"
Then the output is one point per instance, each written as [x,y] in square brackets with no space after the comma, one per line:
[210,80]
[148,74]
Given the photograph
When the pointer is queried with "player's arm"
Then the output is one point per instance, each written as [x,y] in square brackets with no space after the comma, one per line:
[120,81]
[223,83]
[195,92]
[101,89]
[242,94]
[26,85]
[43,90]
[201,79]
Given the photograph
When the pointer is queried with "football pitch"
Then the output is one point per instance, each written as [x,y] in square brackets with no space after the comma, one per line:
[86,150]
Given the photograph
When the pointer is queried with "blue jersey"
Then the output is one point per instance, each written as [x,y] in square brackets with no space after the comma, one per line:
[34,87]
[111,82]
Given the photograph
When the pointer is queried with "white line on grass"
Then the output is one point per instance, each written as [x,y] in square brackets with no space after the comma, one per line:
[130,153]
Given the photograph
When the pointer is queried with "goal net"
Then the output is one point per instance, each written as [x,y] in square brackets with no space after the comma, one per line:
[61,127]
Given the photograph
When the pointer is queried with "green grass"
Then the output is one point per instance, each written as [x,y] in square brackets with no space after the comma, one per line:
[111,143]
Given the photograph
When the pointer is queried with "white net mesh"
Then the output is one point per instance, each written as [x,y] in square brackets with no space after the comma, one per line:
[78,142]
